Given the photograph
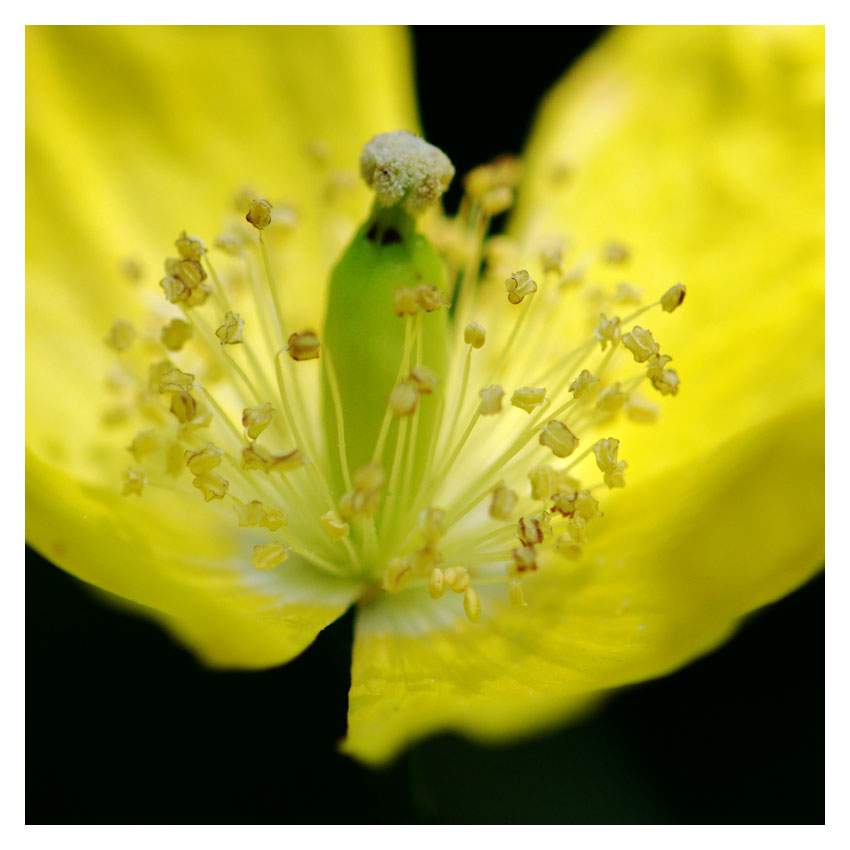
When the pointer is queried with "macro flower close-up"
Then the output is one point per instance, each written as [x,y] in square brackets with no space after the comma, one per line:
[549,424]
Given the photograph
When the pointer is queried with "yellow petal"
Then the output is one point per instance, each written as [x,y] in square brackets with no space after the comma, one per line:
[176,557]
[702,150]
[135,133]
[644,601]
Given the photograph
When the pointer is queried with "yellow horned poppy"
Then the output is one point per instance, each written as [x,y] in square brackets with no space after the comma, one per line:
[541,465]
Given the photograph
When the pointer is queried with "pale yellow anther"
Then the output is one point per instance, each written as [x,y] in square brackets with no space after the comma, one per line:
[175,290]
[533,529]
[516,596]
[174,464]
[474,335]
[404,170]
[369,477]
[334,527]
[403,399]
[396,575]
[627,294]
[615,477]
[611,399]
[176,334]
[191,272]
[423,560]
[144,443]
[518,285]
[256,457]
[615,253]
[505,170]
[608,330]
[672,298]
[204,460]
[436,583]
[273,519]
[606,452]
[641,344]
[249,514]
[503,502]
[472,604]
[184,407]
[431,524]
[586,506]
[564,503]
[175,380]
[424,380]
[231,243]
[545,481]
[524,560]
[212,485]
[430,298]
[405,301]
[491,400]
[575,529]
[552,255]
[267,556]
[666,381]
[365,498]
[457,578]
[132,481]
[640,409]
[567,547]
[287,462]
[496,200]
[121,335]
[255,420]
[558,437]
[259,214]
[303,346]
[582,383]
[528,398]
[230,330]
[190,247]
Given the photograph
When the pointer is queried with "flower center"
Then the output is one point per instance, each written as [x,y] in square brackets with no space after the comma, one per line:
[432,435]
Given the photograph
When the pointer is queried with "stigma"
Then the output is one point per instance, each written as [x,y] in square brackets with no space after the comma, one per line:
[441,434]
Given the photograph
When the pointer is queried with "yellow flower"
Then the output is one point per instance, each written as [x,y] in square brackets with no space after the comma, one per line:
[667,155]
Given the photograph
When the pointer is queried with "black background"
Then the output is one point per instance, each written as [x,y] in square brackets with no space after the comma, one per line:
[123,726]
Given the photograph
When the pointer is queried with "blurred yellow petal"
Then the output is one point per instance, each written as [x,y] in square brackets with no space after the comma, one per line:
[702,151]
[647,598]
[136,133]
[185,563]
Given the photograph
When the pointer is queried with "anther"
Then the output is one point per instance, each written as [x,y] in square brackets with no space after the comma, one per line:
[403,398]
[497,200]
[608,330]
[666,381]
[528,398]
[472,604]
[175,380]
[503,502]
[267,556]
[436,583]
[641,344]
[184,407]
[204,460]
[457,578]
[176,334]
[255,420]
[405,301]
[259,214]
[230,330]
[429,297]
[518,285]
[303,346]
[533,529]
[190,247]
[615,253]
[212,485]
[431,524]
[396,575]
[515,594]
[612,398]
[121,335]
[565,546]
[672,298]
[144,443]
[424,380]
[334,527]
[545,480]
[474,335]
[582,383]
[640,409]
[255,514]
[558,437]
[606,452]
[491,400]
[132,481]
[524,560]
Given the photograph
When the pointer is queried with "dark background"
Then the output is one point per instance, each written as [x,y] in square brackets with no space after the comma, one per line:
[123,726]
